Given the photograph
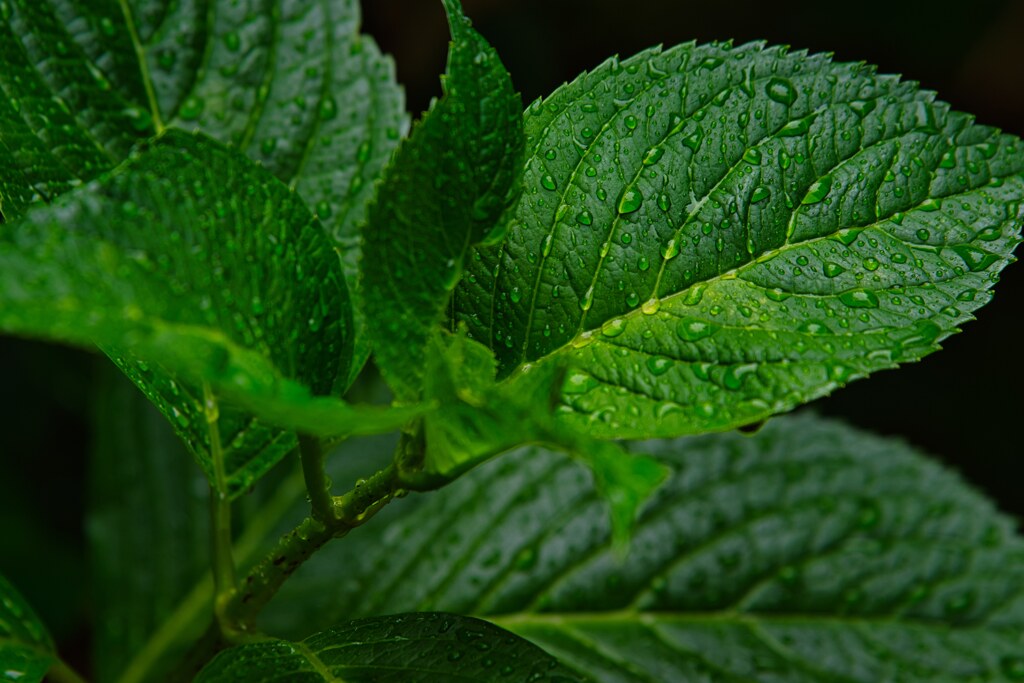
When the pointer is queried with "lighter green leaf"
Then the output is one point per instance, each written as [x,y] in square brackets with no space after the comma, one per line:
[478,419]
[195,261]
[444,192]
[409,648]
[710,235]
[806,552]
[26,650]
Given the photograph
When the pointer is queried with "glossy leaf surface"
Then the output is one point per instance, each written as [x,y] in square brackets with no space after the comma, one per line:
[806,552]
[445,191]
[196,261]
[26,650]
[713,234]
[410,648]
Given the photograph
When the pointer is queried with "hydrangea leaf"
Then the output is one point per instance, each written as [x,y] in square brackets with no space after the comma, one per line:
[445,190]
[712,234]
[806,552]
[26,649]
[405,648]
[195,263]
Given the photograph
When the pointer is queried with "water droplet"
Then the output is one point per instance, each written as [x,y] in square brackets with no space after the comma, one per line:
[545,245]
[329,110]
[613,328]
[651,306]
[833,269]
[818,191]
[859,298]
[736,375]
[631,122]
[192,108]
[871,263]
[659,365]
[632,200]
[653,155]
[760,194]
[632,299]
[781,91]
[664,203]
[693,140]
[584,217]
[670,250]
[323,210]
[588,299]
[795,128]
[752,156]
[976,259]
[515,295]
[579,383]
[695,329]
[548,183]
[232,42]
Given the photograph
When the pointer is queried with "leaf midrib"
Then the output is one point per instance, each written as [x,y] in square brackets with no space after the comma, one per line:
[140,57]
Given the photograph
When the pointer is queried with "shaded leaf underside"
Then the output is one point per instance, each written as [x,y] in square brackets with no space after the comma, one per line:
[808,552]
[711,235]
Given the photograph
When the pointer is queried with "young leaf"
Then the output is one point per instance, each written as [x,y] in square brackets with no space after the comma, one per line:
[192,260]
[806,552]
[445,191]
[710,235]
[479,419]
[26,650]
[406,648]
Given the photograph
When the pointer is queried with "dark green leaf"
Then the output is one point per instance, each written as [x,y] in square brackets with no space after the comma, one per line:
[445,191]
[409,648]
[291,84]
[195,261]
[26,651]
[72,101]
[806,552]
[148,527]
[710,235]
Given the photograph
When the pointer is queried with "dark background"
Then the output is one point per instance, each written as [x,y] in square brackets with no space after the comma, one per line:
[965,405]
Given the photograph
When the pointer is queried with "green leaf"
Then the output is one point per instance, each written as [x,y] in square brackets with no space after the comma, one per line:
[294,86]
[406,648]
[478,419]
[148,526]
[712,234]
[192,260]
[445,191]
[26,650]
[806,552]
[71,99]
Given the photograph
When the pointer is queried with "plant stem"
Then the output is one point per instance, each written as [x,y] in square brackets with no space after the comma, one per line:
[351,510]
[60,672]
[317,485]
[225,581]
